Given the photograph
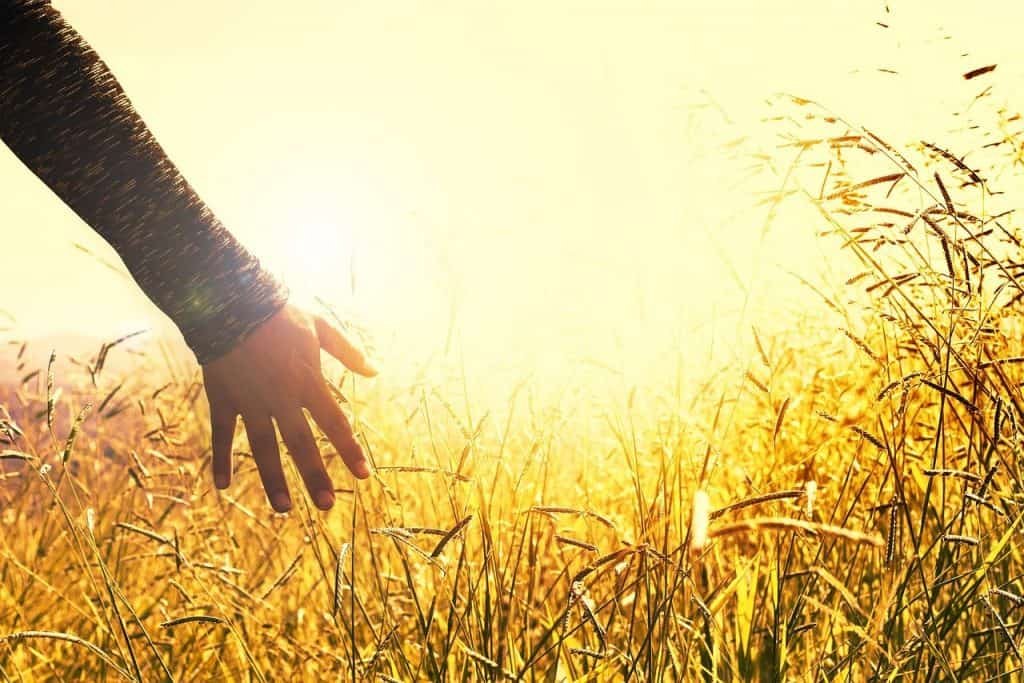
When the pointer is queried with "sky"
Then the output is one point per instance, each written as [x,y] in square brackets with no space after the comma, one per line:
[544,178]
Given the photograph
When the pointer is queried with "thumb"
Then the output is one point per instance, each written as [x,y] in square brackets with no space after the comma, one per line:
[334,342]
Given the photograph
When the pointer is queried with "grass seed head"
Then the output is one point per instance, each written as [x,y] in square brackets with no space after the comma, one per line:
[699,518]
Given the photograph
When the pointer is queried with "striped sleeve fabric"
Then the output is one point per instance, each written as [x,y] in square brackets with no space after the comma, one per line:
[66,117]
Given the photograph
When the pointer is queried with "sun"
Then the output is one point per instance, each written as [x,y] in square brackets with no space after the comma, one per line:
[317,257]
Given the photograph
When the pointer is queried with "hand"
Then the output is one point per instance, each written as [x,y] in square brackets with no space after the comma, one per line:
[270,377]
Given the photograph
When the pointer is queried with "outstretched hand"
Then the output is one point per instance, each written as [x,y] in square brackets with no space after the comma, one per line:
[270,377]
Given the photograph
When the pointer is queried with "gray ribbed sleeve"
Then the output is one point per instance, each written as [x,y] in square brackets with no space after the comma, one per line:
[66,117]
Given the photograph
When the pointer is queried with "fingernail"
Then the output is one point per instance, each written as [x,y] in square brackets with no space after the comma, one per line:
[370,367]
[324,499]
[221,481]
[281,501]
[362,469]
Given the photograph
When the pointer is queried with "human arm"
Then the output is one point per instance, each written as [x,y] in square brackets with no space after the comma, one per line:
[66,117]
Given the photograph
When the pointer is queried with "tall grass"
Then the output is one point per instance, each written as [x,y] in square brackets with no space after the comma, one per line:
[845,507]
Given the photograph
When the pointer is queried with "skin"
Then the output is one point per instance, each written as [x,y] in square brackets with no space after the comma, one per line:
[270,377]
[66,117]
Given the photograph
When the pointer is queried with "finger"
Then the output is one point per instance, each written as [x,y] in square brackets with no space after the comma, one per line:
[222,435]
[332,421]
[263,439]
[301,444]
[334,342]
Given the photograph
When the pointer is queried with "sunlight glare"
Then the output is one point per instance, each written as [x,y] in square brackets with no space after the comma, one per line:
[317,256]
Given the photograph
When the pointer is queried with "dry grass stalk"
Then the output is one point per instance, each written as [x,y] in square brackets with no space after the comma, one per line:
[576,543]
[70,638]
[1001,623]
[192,619]
[700,516]
[73,433]
[890,537]
[761,524]
[870,438]
[760,499]
[339,578]
[416,469]
[51,396]
[559,510]
[960,474]
[810,494]
[488,663]
[960,539]
[452,533]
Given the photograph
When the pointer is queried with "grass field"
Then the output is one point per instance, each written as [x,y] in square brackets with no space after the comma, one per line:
[844,506]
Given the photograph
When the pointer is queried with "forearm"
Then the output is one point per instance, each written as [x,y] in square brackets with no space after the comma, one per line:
[65,116]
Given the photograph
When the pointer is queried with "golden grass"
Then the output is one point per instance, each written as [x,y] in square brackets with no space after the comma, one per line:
[845,507]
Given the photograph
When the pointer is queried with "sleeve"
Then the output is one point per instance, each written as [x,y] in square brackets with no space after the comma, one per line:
[66,117]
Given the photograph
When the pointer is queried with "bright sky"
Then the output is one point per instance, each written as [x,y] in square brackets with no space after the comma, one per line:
[539,167]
